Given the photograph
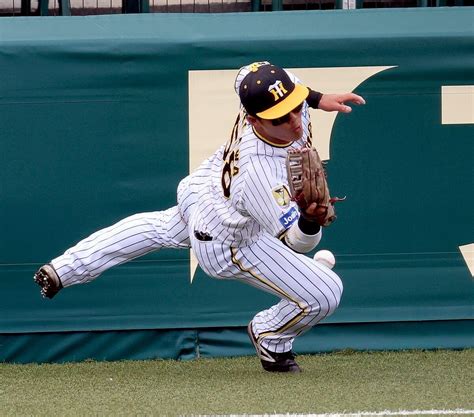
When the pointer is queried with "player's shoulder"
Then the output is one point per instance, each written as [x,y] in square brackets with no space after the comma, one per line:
[248,143]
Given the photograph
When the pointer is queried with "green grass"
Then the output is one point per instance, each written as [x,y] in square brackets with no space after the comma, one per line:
[346,381]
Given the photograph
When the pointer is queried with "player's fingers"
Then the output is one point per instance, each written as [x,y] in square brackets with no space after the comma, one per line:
[344,109]
[310,209]
[315,211]
[354,98]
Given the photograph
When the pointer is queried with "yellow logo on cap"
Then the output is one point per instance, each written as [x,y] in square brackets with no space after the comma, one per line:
[278,90]
[281,195]
[254,66]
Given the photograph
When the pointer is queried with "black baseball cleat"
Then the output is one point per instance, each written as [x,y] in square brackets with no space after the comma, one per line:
[273,361]
[47,278]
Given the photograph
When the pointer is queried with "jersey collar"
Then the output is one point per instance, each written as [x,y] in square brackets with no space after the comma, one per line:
[268,141]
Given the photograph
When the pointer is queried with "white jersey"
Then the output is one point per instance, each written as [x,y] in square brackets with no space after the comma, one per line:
[242,190]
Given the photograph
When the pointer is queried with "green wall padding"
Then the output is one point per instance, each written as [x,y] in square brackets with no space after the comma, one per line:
[185,344]
[94,127]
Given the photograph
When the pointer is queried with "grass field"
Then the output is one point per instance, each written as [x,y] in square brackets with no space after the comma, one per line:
[347,382]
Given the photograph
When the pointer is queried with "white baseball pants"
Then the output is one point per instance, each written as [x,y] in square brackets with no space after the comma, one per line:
[309,291]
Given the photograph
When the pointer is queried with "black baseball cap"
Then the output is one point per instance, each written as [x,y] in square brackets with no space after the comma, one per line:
[268,92]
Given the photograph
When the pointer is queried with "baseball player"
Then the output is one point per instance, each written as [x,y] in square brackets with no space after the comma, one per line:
[236,213]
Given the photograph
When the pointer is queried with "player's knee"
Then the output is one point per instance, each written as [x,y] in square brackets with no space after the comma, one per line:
[333,303]
[324,306]
[327,297]
[336,295]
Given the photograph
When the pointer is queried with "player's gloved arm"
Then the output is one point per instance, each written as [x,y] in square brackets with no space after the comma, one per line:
[303,236]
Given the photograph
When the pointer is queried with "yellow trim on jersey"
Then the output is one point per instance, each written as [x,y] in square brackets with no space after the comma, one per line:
[304,310]
[282,235]
[276,145]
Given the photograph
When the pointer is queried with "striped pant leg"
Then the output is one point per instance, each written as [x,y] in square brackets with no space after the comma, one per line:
[309,292]
[130,238]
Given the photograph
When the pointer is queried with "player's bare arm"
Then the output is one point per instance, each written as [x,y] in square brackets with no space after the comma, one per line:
[337,102]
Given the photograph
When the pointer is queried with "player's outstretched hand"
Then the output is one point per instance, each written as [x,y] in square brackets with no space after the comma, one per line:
[336,102]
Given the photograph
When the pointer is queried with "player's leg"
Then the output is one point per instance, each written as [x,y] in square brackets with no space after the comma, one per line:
[308,291]
[130,238]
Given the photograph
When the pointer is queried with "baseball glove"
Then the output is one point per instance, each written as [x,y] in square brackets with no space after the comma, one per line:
[308,184]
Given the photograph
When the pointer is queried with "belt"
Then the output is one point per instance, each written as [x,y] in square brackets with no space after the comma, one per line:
[202,236]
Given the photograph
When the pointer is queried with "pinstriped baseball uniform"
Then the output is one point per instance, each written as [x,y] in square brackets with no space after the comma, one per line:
[244,218]
[233,211]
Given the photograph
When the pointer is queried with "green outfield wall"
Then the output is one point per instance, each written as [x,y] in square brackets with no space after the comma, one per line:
[101,116]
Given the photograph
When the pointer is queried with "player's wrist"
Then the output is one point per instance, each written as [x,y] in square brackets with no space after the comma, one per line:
[302,237]
[313,99]
[308,226]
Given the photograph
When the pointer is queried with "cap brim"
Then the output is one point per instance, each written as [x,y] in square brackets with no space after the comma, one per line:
[296,97]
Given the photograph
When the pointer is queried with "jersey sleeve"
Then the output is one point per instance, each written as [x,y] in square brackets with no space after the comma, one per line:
[266,198]
[293,77]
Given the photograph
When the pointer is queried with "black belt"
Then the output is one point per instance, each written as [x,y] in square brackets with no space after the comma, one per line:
[202,236]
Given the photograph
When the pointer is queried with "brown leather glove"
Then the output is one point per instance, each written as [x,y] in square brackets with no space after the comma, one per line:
[309,187]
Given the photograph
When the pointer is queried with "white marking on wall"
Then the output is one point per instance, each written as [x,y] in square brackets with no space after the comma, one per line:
[457,104]
[467,252]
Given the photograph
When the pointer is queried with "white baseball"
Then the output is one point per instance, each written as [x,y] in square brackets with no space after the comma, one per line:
[325,257]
